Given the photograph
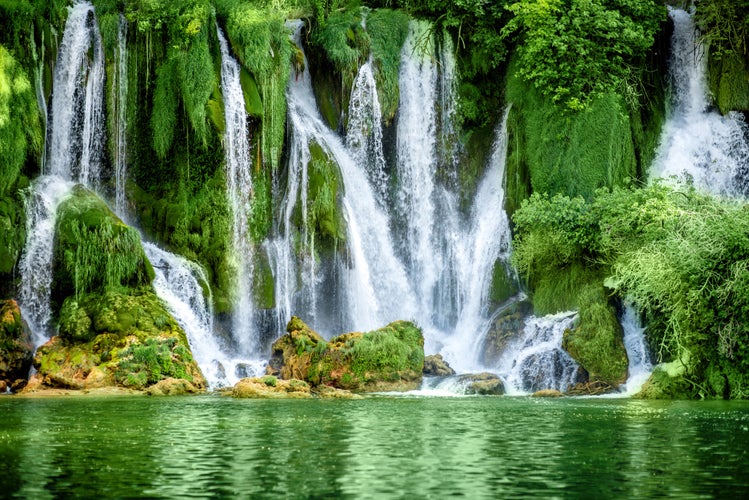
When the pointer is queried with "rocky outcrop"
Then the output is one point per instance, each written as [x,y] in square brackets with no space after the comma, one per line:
[270,387]
[435,366]
[388,359]
[483,384]
[506,327]
[15,345]
[113,329]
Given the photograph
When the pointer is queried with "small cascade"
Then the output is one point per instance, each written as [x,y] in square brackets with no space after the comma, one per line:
[181,284]
[120,110]
[449,143]
[364,131]
[488,239]
[36,263]
[239,192]
[373,281]
[640,364]
[697,141]
[536,361]
[417,162]
[76,130]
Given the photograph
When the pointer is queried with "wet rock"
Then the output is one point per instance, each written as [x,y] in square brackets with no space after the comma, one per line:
[435,366]
[591,388]
[270,387]
[484,384]
[16,350]
[507,326]
[547,393]
[3,386]
[328,392]
[388,359]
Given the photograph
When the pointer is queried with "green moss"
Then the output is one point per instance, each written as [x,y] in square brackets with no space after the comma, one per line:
[570,154]
[252,101]
[324,180]
[504,284]
[388,30]
[596,341]
[12,235]
[728,77]
[142,364]
[20,127]
[263,284]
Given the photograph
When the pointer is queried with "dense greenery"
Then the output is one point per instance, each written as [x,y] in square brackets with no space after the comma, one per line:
[679,255]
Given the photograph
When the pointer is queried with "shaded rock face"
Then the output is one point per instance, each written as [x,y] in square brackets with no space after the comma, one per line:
[435,366]
[16,350]
[388,359]
[485,384]
[506,327]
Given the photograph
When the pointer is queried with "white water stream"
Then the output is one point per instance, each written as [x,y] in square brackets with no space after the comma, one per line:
[697,141]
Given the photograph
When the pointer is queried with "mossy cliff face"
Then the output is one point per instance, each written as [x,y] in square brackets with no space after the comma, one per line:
[391,358]
[15,345]
[113,329]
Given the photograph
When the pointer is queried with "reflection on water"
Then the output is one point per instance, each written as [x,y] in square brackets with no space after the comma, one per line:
[376,447]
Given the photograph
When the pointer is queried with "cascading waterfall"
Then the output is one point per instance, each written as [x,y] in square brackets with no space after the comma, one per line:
[239,190]
[416,162]
[374,283]
[640,365]
[696,140]
[536,360]
[364,131]
[120,109]
[73,145]
[487,241]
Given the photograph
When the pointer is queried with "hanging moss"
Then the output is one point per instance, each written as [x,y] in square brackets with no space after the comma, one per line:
[164,114]
[728,77]
[196,80]
[388,30]
[20,128]
[323,193]
[573,154]
[94,251]
[260,40]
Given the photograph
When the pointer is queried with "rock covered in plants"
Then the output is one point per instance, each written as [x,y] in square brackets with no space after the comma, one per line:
[388,359]
[483,384]
[15,345]
[435,366]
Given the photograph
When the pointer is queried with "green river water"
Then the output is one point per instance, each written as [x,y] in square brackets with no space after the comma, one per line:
[377,447]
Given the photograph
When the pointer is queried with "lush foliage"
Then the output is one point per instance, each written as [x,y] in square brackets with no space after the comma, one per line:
[20,129]
[387,31]
[680,256]
[574,51]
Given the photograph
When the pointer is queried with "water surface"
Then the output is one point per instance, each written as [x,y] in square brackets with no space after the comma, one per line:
[211,446]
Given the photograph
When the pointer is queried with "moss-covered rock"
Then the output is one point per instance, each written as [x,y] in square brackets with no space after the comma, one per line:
[482,384]
[388,359]
[12,235]
[15,344]
[269,387]
[728,77]
[435,366]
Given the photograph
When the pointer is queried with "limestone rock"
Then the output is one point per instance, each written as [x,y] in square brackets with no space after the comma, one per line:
[435,366]
[388,359]
[328,392]
[547,393]
[15,344]
[269,387]
[171,387]
[484,384]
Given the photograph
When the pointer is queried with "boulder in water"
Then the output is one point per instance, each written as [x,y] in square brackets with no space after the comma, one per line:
[547,393]
[16,350]
[483,384]
[270,387]
[507,326]
[388,359]
[435,366]
[171,387]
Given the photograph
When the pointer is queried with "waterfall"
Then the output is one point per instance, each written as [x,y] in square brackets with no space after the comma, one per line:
[640,366]
[417,162]
[120,109]
[364,131]
[486,241]
[697,141]
[239,192]
[536,360]
[74,144]
[373,280]
[36,263]
[77,118]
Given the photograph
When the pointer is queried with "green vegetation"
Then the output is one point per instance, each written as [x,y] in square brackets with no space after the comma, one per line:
[387,31]
[680,256]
